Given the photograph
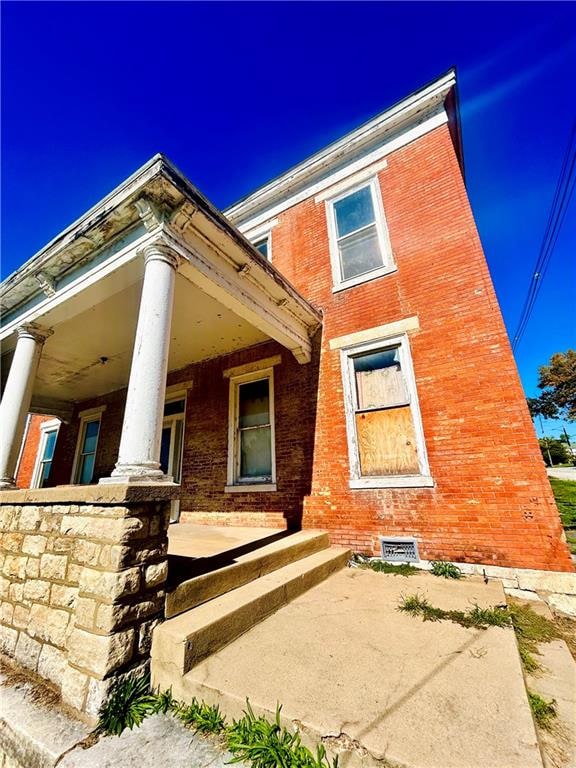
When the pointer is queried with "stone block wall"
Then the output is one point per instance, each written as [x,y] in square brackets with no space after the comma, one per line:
[82,583]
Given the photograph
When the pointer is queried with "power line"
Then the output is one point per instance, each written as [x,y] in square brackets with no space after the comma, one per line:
[560,203]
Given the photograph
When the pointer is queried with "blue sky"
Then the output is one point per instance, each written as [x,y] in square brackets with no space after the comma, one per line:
[236,93]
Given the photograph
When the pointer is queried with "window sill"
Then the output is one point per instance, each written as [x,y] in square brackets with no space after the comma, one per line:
[251,488]
[361,279]
[400,481]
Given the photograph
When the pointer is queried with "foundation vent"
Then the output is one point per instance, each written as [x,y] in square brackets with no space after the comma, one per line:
[399,549]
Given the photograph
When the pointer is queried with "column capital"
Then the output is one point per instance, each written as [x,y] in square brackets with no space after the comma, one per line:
[35,332]
[159,251]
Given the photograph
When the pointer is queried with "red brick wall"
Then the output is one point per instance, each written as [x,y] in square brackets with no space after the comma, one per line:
[30,451]
[491,502]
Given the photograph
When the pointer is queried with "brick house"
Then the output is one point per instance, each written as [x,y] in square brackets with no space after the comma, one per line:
[327,353]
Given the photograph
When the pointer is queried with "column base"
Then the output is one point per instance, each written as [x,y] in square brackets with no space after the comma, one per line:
[128,479]
[8,484]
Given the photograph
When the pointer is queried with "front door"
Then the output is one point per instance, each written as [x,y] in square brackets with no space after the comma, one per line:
[171,446]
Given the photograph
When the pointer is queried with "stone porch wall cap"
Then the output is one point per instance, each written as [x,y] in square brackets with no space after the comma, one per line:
[92,494]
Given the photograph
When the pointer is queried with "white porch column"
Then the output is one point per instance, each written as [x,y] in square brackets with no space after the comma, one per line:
[17,397]
[139,455]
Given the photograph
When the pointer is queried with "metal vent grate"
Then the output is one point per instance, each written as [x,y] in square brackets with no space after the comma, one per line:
[399,550]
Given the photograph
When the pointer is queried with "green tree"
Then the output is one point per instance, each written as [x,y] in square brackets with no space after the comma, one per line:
[554,449]
[557,380]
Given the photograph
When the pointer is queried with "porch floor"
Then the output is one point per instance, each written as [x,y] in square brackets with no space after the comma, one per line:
[190,540]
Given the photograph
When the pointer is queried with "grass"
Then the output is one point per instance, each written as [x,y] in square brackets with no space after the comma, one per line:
[565,495]
[531,628]
[255,740]
[446,570]
[481,618]
[544,711]
[380,566]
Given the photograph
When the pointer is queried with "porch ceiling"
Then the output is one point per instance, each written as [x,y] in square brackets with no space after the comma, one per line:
[93,326]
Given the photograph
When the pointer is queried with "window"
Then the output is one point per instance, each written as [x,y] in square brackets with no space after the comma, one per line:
[46,446]
[386,441]
[263,245]
[86,448]
[251,452]
[359,243]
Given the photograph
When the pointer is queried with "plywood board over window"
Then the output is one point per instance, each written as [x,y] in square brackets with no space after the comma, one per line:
[386,441]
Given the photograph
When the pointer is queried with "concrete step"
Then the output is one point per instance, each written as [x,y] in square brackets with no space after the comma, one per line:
[243,569]
[185,640]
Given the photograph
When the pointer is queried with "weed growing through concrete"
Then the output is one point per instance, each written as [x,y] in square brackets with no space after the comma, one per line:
[531,629]
[255,740]
[380,566]
[481,618]
[127,705]
[446,570]
[544,711]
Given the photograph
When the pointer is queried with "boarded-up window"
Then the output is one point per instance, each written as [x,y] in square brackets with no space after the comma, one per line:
[383,417]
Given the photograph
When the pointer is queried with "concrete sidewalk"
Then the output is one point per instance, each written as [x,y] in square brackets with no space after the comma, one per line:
[378,686]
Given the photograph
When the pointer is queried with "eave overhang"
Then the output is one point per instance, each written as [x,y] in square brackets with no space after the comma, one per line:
[159,202]
[399,118]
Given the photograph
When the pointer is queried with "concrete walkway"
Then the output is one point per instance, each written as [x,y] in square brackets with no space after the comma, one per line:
[562,473]
[379,686]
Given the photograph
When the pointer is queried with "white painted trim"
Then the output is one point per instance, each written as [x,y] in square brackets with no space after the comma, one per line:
[233,447]
[388,264]
[22,444]
[255,233]
[89,414]
[48,426]
[91,411]
[438,118]
[255,488]
[175,391]
[352,180]
[395,481]
[357,480]
[379,333]
[257,365]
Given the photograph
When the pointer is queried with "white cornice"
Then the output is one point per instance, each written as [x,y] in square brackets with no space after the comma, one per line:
[402,116]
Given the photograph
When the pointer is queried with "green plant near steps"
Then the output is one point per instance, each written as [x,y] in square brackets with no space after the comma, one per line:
[481,618]
[380,566]
[128,704]
[202,717]
[531,628]
[251,739]
[266,745]
[544,711]
[447,570]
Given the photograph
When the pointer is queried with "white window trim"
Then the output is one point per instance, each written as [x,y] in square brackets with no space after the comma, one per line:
[265,236]
[388,265]
[87,415]
[233,485]
[423,479]
[48,426]
[168,421]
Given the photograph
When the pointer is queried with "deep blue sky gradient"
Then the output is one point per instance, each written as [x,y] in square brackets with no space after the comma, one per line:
[236,93]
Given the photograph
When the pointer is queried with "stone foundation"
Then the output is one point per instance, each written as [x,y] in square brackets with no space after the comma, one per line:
[82,587]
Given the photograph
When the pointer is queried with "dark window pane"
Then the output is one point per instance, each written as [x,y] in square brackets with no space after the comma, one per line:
[45,473]
[255,453]
[176,406]
[262,246]
[165,449]
[49,445]
[254,404]
[354,212]
[360,253]
[86,469]
[90,436]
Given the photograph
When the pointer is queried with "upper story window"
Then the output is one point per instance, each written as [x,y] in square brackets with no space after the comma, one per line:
[359,243]
[263,245]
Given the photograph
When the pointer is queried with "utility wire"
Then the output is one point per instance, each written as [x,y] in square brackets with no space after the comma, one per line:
[560,203]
